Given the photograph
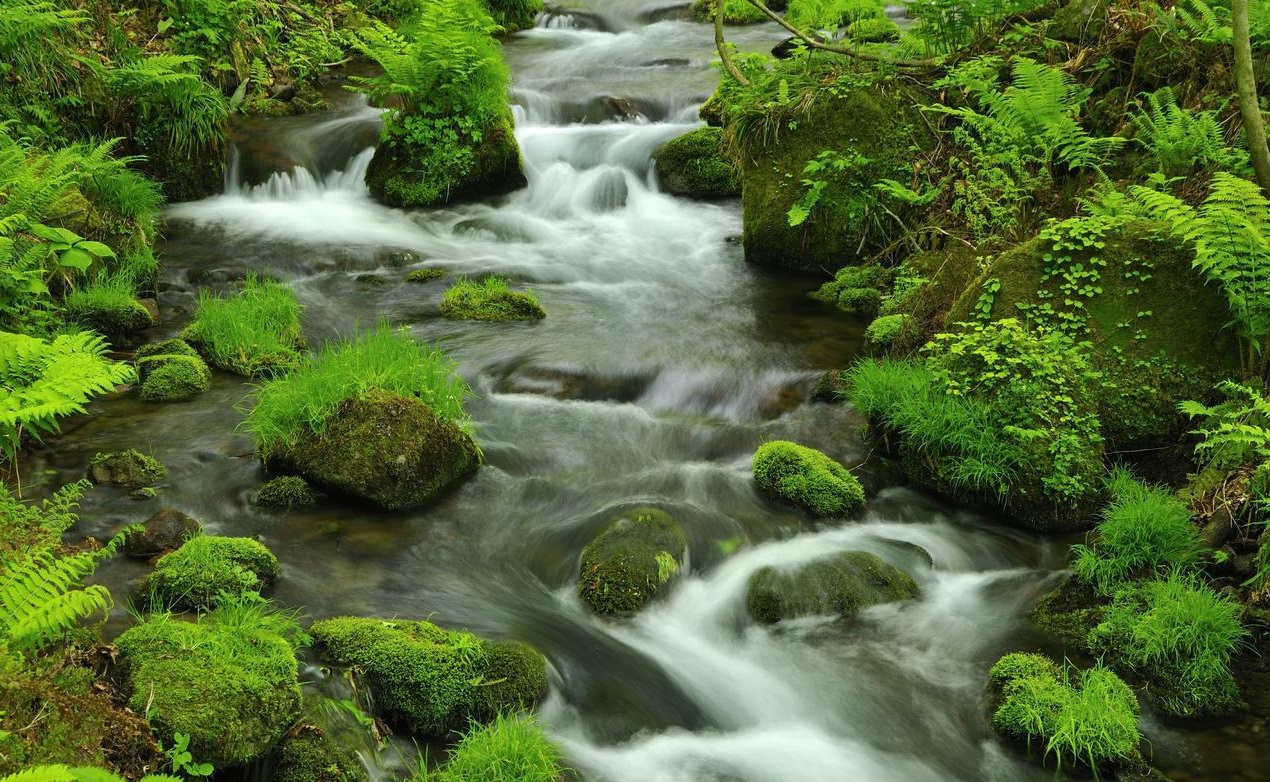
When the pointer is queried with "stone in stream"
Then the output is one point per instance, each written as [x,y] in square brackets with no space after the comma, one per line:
[806,478]
[129,469]
[206,568]
[693,165]
[171,371]
[307,754]
[165,531]
[631,559]
[842,584]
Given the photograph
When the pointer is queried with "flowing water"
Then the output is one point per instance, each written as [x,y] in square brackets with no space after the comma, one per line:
[663,362]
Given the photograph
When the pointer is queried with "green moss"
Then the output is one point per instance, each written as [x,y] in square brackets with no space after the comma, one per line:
[856,289]
[230,680]
[1069,612]
[205,567]
[173,378]
[307,754]
[625,565]
[842,584]
[434,681]
[874,30]
[514,15]
[489,299]
[425,275]
[734,12]
[863,302]
[115,314]
[255,332]
[129,469]
[695,166]
[891,333]
[167,347]
[287,492]
[510,749]
[807,478]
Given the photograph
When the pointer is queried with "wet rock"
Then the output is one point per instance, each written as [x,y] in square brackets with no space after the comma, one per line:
[831,387]
[631,559]
[286,493]
[165,531]
[693,165]
[806,478]
[129,469]
[206,568]
[307,754]
[282,91]
[171,371]
[668,62]
[676,12]
[842,584]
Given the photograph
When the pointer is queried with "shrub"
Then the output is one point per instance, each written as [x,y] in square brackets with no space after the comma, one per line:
[1180,636]
[255,332]
[287,492]
[489,299]
[290,407]
[807,478]
[206,568]
[434,681]
[1145,530]
[625,565]
[512,748]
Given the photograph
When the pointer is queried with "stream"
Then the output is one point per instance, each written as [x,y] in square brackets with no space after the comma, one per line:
[663,362]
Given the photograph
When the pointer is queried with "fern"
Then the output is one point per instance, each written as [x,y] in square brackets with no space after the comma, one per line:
[1204,23]
[83,774]
[1180,140]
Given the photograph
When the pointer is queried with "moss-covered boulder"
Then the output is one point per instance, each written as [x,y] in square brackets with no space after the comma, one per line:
[806,478]
[165,531]
[734,12]
[1158,332]
[1069,612]
[891,333]
[173,378]
[287,492]
[128,469]
[386,448]
[856,290]
[307,754]
[693,165]
[431,680]
[205,568]
[625,565]
[117,317]
[230,681]
[871,125]
[489,299]
[424,275]
[412,175]
[842,584]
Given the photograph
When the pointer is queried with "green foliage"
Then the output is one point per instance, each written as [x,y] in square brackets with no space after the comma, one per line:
[943,26]
[172,378]
[287,408]
[434,681]
[489,299]
[44,381]
[129,469]
[832,14]
[734,12]
[627,563]
[1180,635]
[182,760]
[67,774]
[1230,232]
[1087,717]
[255,332]
[31,526]
[425,275]
[806,478]
[1236,431]
[1181,140]
[889,331]
[512,748]
[819,172]
[842,585]
[207,569]
[1145,530]
[108,305]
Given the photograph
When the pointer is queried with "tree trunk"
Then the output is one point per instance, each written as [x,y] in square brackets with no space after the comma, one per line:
[722,46]
[1246,88]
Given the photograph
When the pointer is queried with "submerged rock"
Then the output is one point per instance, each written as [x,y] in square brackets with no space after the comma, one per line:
[806,478]
[625,565]
[165,531]
[842,584]
[693,165]
[129,469]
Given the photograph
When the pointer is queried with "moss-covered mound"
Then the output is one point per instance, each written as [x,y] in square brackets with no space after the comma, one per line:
[1158,332]
[206,567]
[434,681]
[424,275]
[842,584]
[286,493]
[172,377]
[514,15]
[693,165]
[230,681]
[307,754]
[891,333]
[115,316]
[129,469]
[734,12]
[625,565]
[807,478]
[489,298]
[412,175]
[255,332]
[386,448]
[857,290]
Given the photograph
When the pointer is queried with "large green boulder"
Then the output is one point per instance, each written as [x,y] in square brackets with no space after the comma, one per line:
[386,448]
[434,681]
[205,567]
[842,584]
[693,165]
[806,478]
[229,681]
[625,565]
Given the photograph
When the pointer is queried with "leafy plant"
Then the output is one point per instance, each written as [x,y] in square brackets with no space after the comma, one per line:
[819,170]
[1237,430]
[83,774]
[1181,140]
[182,760]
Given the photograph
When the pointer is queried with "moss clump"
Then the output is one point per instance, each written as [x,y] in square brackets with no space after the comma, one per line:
[625,565]
[1069,612]
[842,584]
[807,478]
[891,333]
[206,567]
[129,469]
[287,492]
[425,275]
[878,30]
[694,165]
[434,681]
[167,347]
[253,333]
[1084,718]
[857,290]
[307,754]
[174,378]
[513,748]
[116,316]
[734,12]
[489,299]
[229,680]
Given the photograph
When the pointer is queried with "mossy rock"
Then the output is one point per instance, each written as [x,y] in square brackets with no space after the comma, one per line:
[735,12]
[891,334]
[425,275]
[129,469]
[877,121]
[251,361]
[206,567]
[470,300]
[233,687]
[307,754]
[431,680]
[631,559]
[1080,21]
[806,478]
[1069,612]
[693,165]
[116,319]
[861,302]
[405,176]
[842,584]
[287,492]
[1162,59]
[856,290]
[1158,332]
[877,30]
[173,378]
[389,449]
[167,347]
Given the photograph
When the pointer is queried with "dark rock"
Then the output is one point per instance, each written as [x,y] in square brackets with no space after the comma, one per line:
[165,531]
[129,469]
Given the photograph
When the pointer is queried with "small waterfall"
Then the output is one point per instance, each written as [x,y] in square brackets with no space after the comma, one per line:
[301,183]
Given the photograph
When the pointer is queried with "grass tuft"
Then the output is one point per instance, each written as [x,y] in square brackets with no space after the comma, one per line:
[489,299]
[253,333]
[512,748]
